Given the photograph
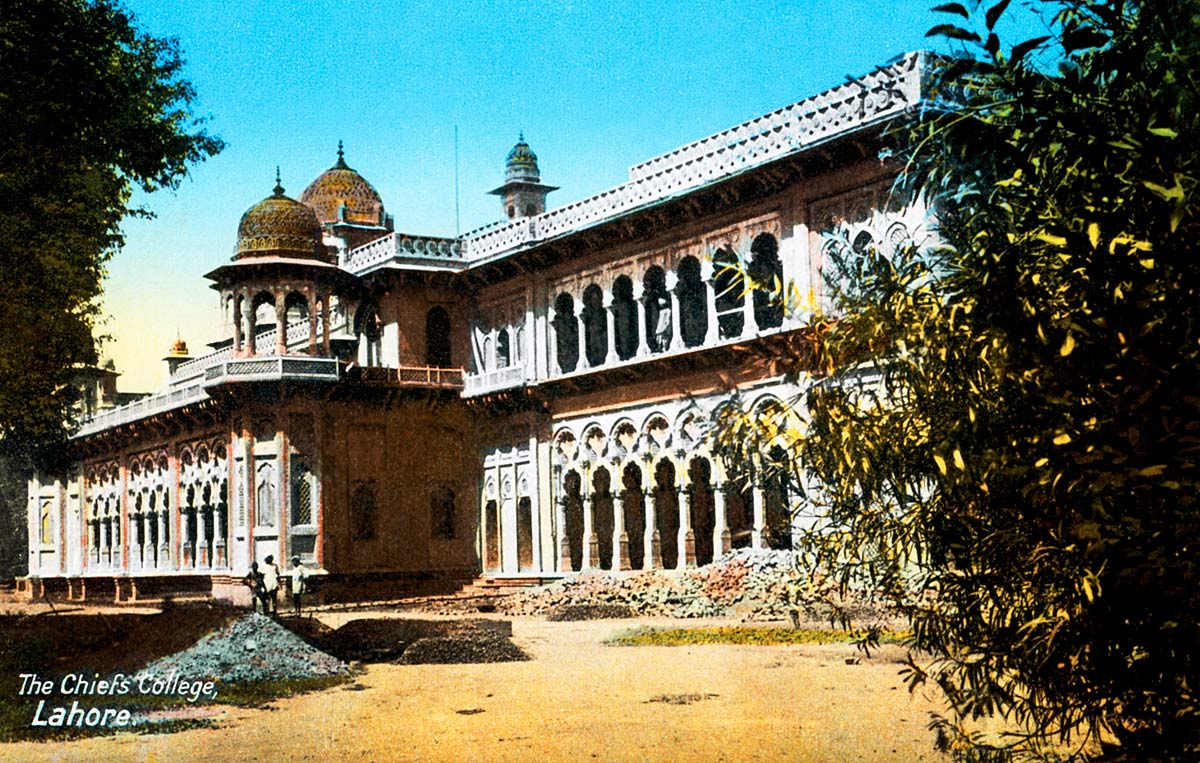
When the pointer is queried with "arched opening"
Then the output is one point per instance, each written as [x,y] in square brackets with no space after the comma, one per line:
[369,329]
[296,307]
[777,513]
[728,286]
[666,510]
[739,516]
[524,535]
[657,301]
[634,510]
[437,338]
[624,318]
[503,349]
[767,271]
[491,533]
[265,505]
[303,493]
[566,333]
[693,303]
[702,508]
[573,509]
[259,318]
[596,325]
[602,516]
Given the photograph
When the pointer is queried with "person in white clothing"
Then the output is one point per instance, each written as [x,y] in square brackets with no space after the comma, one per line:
[270,575]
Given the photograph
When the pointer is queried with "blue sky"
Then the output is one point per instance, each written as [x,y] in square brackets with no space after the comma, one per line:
[595,86]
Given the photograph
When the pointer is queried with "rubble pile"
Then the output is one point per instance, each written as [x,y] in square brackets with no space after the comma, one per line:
[251,649]
[423,642]
[748,583]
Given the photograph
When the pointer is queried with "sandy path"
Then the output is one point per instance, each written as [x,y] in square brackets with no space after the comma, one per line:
[577,700]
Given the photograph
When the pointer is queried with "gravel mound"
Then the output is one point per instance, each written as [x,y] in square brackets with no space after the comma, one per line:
[753,584]
[573,612]
[462,648]
[251,649]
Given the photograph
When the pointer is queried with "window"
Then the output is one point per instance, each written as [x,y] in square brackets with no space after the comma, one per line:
[767,271]
[595,323]
[730,301]
[566,332]
[304,484]
[265,505]
[624,318]
[693,307]
[503,349]
[657,302]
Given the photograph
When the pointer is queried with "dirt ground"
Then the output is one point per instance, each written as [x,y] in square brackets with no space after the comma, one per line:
[577,699]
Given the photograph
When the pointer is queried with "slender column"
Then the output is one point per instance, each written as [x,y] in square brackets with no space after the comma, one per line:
[653,552]
[252,330]
[721,539]
[312,323]
[749,327]
[687,538]
[610,315]
[164,549]
[237,323]
[591,544]
[639,297]
[583,363]
[326,319]
[189,556]
[676,314]
[564,544]
[756,534]
[620,537]
[280,326]
[202,559]
[552,366]
[145,553]
[713,332]
[219,531]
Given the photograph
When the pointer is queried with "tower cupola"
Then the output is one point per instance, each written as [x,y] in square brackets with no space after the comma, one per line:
[522,194]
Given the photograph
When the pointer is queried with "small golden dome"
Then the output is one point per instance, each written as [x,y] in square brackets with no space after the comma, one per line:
[179,349]
[341,186]
[279,226]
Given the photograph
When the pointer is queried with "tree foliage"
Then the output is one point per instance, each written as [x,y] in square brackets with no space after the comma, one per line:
[90,109]
[1021,477]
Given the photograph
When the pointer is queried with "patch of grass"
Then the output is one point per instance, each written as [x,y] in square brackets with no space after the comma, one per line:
[747,635]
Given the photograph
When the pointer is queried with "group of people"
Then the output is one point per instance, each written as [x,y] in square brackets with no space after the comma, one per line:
[264,584]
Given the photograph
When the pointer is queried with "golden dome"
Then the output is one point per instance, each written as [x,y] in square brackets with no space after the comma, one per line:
[179,349]
[339,185]
[279,226]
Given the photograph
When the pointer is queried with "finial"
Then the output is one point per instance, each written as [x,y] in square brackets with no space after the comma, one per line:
[278,182]
[521,137]
[341,162]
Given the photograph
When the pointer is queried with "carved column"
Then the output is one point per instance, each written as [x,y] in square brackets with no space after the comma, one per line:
[610,316]
[653,552]
[164,547]
[676,314]
[220,530]
[202,558]
[312,323]
[252,329]
[756,533]
[583,363]
[564,543]
[639,296]
[620,559]
[552,367]
[712,332]
[591,544]
[749,328]
[326,319]
[280,324]
[189,556]
[237,323]
[687,538]
[721,539]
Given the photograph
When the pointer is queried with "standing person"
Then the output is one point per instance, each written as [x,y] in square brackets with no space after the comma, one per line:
[299,574]
[270,576]
[254,581]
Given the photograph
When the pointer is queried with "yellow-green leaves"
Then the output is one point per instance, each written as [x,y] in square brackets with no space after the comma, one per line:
[1067,346]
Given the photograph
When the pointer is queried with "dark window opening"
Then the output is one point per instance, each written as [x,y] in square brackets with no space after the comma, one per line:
[657,301]
[767,271]
[566,333]
[437,338]
[693,308]
[595,324]
[666,510]
[728,286]
[603,522]
[634,509]
[625,318]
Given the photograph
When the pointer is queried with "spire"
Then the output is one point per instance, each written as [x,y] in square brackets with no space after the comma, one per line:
[278,184]
[341,162]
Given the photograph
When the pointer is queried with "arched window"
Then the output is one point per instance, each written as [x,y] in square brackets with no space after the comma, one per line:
[304,493]
[441,512]
[666,510]
[524,535]
[566,332]
[624,318]
[262,308]
[265,505]
[730,299]
[595,324]
[297,307]
[767,271]
[603,521]
[437,338]
[702,508]
[693,303]
[503,349]
[364,508]
[573,511]
[657,301]
[633,508]
[369,330]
